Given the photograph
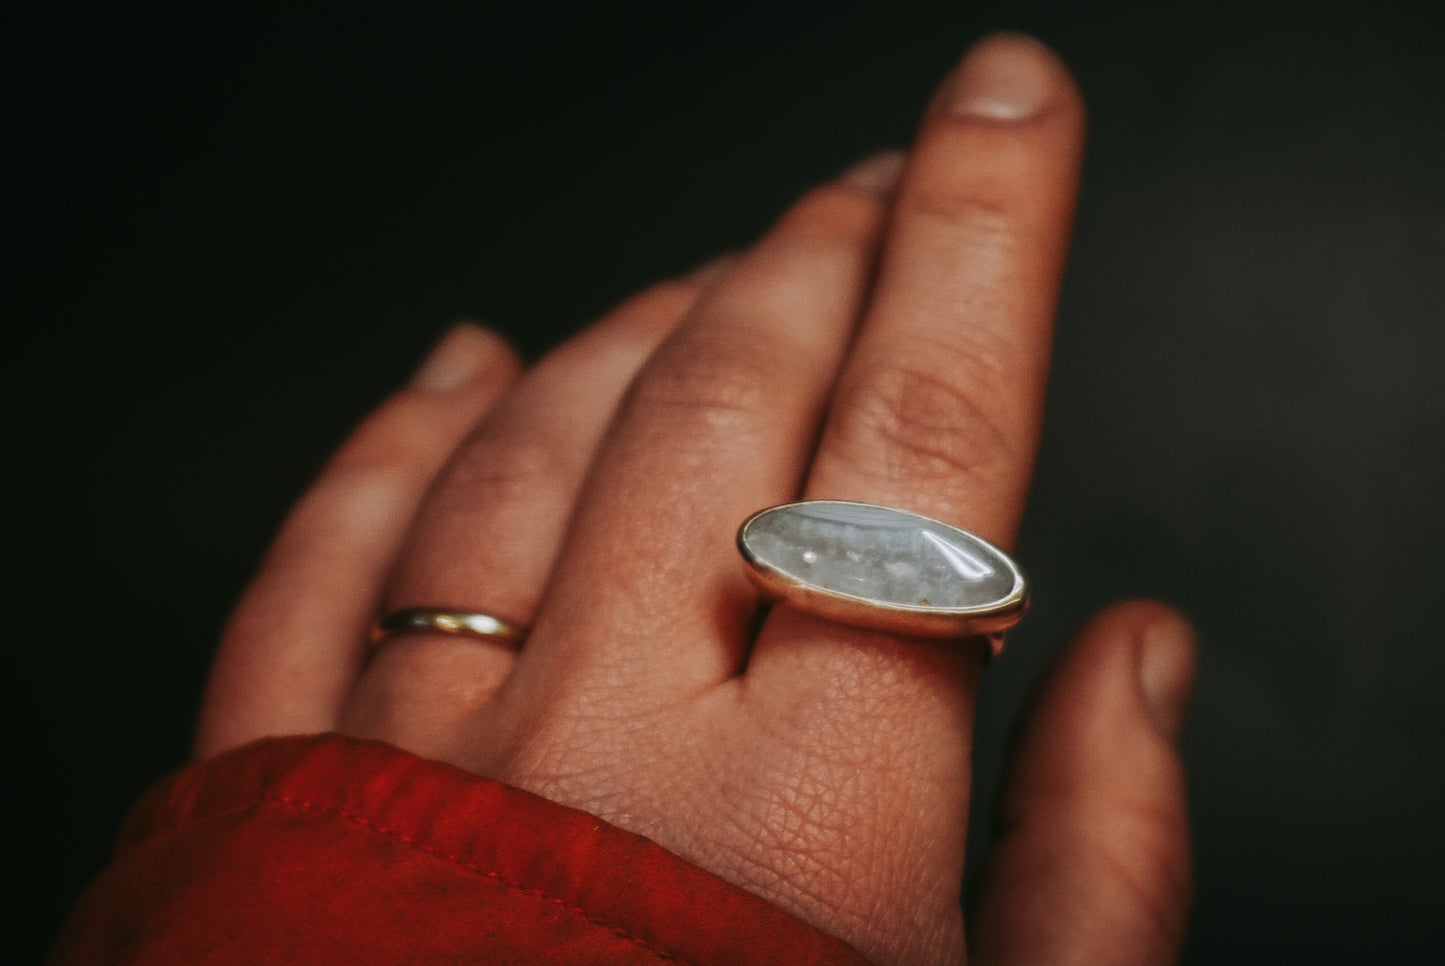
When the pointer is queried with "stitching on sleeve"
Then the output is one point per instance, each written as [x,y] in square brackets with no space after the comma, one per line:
[363,822]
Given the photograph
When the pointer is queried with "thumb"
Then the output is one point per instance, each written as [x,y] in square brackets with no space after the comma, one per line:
[1091,863]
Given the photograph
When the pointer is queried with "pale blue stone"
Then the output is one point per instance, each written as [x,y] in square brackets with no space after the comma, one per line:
[880,554]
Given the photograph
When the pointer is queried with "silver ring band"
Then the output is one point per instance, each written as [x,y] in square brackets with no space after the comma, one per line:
[447,621]
[882,568]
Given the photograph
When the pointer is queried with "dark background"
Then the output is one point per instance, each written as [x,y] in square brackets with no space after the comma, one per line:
[235,231]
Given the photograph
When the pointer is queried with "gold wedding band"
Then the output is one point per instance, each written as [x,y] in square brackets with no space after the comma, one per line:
[460,622]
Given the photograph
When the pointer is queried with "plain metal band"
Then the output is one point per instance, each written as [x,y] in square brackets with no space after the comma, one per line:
[459,622]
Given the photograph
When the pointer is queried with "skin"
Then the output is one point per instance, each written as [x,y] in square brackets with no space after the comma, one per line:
[886,341]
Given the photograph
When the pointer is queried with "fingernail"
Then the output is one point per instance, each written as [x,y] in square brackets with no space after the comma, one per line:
[878,173]
[1166,672]
[456,360]
[1006,77]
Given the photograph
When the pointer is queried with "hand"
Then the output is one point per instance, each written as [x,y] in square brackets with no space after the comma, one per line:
[886,341]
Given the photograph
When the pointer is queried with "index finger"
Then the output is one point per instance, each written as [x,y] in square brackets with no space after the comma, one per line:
[937,411]
[938,407]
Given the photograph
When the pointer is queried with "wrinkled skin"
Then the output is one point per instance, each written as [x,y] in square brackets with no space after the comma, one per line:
[886,341]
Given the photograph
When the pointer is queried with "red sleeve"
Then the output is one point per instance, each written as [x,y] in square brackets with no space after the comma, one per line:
[329,850]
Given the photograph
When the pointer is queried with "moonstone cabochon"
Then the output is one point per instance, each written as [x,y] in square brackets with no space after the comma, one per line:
[874,566]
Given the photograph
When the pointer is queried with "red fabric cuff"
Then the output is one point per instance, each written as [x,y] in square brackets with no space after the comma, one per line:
[325,849]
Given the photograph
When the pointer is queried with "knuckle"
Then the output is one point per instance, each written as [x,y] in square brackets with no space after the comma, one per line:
[926,419]
[1151,866]
[497,467]
[836,210]
[1135,854]
[980,172]
[714,382]
[985,204]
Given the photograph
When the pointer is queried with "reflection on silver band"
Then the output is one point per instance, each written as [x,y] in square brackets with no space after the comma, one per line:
[446,621]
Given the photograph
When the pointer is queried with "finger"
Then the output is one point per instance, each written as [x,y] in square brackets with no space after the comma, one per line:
[719,419]
[488,534]
[290,652]
[938,406]
[936,410]
[1092,860]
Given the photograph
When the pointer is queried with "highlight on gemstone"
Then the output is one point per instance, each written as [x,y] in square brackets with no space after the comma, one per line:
[853,559]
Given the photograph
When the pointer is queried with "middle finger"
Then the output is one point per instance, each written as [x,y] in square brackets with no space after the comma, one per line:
[719,420]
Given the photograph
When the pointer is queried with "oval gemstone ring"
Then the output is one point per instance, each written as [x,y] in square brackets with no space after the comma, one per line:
[889,570]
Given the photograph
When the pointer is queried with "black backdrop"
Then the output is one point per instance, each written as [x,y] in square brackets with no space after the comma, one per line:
[237,229]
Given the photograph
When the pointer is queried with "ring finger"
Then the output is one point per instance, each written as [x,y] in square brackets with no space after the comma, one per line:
[290,654]
[486,537]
